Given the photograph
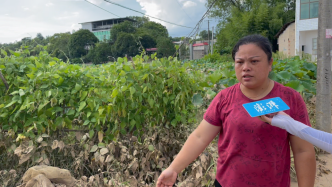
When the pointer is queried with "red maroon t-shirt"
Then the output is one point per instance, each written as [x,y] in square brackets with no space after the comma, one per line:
[251,152]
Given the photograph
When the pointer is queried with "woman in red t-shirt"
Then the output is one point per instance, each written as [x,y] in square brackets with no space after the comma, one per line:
[251,152]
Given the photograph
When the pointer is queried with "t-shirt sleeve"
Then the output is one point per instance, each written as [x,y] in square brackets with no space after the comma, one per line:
[212,114]
[300,112]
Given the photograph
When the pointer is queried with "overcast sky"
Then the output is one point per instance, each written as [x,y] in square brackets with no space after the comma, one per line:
[26,18]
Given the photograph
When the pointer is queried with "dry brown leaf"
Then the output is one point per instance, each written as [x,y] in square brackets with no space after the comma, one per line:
[18,151]
[133,181]
[61,145]
[24,158]
[40,159]
[103,151]
[78,136]
[46,161]
[133,165]
[44,144]
[204,161]
[133,139]
[72,153]
[84,178]
[111,147]
[100,136]
[102,159]
[199,172]
[109,158]
[161,164]
[91,179]
[39,139]
[135,153]
[123,157]
[97,156]
[55,144]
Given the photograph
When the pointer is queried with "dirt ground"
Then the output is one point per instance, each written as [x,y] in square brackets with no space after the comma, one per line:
[323,172]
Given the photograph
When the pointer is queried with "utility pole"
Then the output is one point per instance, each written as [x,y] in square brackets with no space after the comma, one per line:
[208,35]
[323,100]
[212,40]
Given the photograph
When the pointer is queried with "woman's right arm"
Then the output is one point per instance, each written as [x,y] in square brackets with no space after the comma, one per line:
[198,140]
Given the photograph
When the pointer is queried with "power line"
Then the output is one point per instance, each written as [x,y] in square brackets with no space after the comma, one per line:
[197,27]
[145,14]
[183,9]
[102,8]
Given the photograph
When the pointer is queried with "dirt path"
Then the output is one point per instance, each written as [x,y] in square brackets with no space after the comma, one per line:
[323,172]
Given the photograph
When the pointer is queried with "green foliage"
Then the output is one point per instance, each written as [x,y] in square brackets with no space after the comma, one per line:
[216,57]
[124,27]
[147,41]
[265,17]
[293,72]
[297,74]
[204,35]
[165,47]
[80,41]
[125,45]
[59,45]
[100,53]
[139,20]
[47,94]
[154,29]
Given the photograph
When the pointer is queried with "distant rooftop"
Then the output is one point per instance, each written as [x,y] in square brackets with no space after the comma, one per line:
[113,19]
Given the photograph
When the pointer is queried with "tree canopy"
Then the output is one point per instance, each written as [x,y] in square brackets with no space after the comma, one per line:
[239,18]
[80,42]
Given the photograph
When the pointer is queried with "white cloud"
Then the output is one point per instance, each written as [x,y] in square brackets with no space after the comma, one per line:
[98,2]
[188,4]
[166,10]
[202,1]
[59,16]
[49,4]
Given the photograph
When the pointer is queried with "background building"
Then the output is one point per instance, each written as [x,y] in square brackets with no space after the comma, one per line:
[101,29]
[306,28]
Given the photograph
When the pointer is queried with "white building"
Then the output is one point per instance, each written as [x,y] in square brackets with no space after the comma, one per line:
[101,28]
[306,27]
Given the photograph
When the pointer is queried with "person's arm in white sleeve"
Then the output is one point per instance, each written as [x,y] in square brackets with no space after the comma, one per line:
[316,137]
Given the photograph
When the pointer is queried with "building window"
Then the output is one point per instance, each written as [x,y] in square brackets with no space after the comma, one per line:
[309,9]
[314,46]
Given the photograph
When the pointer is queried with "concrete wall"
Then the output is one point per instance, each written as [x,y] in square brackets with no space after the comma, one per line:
[303,25]
[200,51]
[306,39]
[87,26]
[286,41]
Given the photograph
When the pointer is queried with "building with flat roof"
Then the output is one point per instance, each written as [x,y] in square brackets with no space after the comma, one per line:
[101,29]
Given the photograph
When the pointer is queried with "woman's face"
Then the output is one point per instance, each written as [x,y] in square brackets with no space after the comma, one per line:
[252,67]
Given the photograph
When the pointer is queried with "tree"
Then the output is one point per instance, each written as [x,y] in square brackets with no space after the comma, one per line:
[80,42]
[139,20]
[264,17]
[124,27]
[125,45]
[100,53]
[204,35]
[176,39]
[154,29]
[40,36]
[165,47]
[222,9]
[59,45]
[147,41]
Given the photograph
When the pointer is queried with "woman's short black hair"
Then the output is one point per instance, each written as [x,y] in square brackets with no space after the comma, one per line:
[256,39]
